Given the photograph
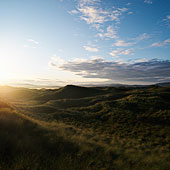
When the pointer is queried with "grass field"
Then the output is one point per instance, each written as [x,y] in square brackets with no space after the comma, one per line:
[79,128]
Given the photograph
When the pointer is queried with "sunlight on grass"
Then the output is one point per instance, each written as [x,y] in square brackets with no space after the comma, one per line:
[120,128]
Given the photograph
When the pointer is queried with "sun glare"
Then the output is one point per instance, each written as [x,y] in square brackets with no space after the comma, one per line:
[7,59]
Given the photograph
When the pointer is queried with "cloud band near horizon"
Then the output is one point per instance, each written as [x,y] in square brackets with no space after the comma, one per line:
[152,71]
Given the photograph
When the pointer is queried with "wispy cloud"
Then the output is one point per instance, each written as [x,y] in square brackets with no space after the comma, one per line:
[110,33]
[31,44]
[122,43]
[139,38]
[91,12]
[74,12]
[142,37]
[91,49]
[119,52]
[148,1]
[128,3]
[88,2]
[130,13]
[33,41]
[92,15]
[140,70]
[131,41]
[160,44]
[56,62]
[167,20]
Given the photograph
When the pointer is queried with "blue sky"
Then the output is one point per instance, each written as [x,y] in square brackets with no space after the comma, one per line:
[58,42]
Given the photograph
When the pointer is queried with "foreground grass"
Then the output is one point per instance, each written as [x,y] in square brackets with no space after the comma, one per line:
[113,128]
[27,145]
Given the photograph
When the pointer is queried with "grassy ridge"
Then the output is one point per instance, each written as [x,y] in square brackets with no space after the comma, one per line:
[89,128]
[26,144]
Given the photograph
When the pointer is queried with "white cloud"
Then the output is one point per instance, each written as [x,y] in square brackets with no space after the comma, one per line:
[128,4]
[167,20]
[118,52]
[33,41]
[139,38]
[142,37]
[123,9]
[111,33]
[122,43]
[80,60]
[91,13]
[91,49]
[160,44]
[131,41]
[130,13]
[95,57]
[148,1]
[141,60]
[74,12]
[56,61]
[88,2]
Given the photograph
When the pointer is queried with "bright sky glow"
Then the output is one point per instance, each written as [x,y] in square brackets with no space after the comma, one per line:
[58,42]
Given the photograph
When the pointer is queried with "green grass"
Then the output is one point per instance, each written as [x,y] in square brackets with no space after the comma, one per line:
[85,128]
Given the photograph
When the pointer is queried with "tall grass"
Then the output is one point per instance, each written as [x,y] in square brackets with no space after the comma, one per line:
[119,128]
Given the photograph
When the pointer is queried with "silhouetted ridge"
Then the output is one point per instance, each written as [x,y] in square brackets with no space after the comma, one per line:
[71,91]
[165,84]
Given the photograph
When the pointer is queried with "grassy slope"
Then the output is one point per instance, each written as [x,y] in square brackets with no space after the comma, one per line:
[25,144]
[89,128]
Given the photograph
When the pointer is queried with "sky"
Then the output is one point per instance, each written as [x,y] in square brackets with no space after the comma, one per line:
[59,42]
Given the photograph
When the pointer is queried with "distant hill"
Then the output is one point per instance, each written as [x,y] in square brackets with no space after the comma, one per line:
[163,84]
[72,92]
[21,93]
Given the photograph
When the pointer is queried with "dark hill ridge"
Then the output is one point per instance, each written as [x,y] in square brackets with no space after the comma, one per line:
[73,92]
[165,84]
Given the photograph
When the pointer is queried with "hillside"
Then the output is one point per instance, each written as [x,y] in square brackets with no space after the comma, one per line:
[89,128]
[71,92]
[26,144]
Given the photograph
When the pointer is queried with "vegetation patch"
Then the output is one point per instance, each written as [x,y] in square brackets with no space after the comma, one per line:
[85,128]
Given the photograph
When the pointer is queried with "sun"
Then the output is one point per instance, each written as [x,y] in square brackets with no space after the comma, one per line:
[4,73]
[7,59]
